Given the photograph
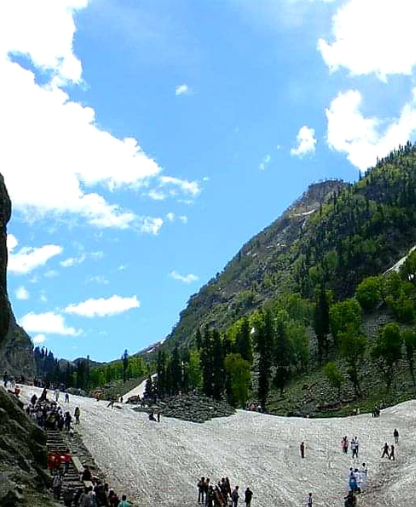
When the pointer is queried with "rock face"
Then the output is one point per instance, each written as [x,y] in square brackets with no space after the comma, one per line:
[23,457]
[16,349]
[191,407]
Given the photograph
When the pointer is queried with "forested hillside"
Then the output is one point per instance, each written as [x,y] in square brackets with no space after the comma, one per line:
[310,297]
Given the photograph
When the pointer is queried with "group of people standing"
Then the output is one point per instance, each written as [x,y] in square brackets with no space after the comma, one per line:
[354,445]
[221,494]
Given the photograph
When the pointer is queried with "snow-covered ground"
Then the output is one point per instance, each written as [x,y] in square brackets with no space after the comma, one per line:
[159,464]
[139,390]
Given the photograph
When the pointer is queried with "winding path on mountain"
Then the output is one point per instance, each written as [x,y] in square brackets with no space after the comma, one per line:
[159,464]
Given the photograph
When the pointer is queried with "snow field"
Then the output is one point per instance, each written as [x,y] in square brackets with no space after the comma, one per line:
[160,464]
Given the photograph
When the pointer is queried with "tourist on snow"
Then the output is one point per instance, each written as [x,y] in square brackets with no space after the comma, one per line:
[396,436]
[391,455]
[43,396]
[33,400]
[345,444]
[227,482]
[201,490]
[363,472]
[158,416]
[5,379]
[124,502]
[350,500]
[66,397]
[385,450]
[235,496]
[77,414]
[309,500]
[67,421]
[302,449]
[152,416]
[248,495]
[352,482]
[57,393]
[112,401]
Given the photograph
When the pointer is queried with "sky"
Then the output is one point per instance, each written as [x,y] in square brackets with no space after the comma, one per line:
[143,142]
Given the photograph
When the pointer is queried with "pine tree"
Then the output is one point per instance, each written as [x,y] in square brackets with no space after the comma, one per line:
[282,352]
[321,321]
[161,373]
[218,375]
[264,346]
[176,369]
[148,389]
[125,359]
[243,344]
[207,363]
[198,339]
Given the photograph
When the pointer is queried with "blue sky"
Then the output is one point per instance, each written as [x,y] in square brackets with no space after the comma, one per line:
[144,142]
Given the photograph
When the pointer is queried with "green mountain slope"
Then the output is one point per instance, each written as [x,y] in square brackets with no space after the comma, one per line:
[336,233]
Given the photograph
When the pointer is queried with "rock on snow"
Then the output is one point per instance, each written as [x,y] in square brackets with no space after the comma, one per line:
[159,464]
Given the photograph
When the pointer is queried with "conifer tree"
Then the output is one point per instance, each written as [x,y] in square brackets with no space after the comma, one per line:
[207,363]
[321,321]
[243,345]
[176,371]
[282,352]
[264,347]
[161,373]
[218,375]
[125,359]
[198,339]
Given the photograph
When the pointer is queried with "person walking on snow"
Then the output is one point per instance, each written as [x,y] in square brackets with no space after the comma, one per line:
[309,501]
[391,455]
[302,449]
[385,450]
[77,414]
[235,496]
[248,496]
[396,436]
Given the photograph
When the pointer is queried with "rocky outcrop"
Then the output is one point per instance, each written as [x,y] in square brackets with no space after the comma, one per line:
[16,349]
[23,457]
[192,407]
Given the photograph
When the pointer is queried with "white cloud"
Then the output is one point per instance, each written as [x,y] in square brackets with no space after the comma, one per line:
[373,36]
[101,279]
[103,307]
[43,297]
[47,323]
[52,273]
[183,278]
[11,242]
[366,139]
[182,89]
[73,261]
[151,225]
[39,338]
[306,142]
[183,219]
[41,127]
[190,188]
[22,293]
[170,216]
[264,162]
[28,258]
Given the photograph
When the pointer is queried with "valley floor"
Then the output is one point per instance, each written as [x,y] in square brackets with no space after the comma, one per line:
[160,464]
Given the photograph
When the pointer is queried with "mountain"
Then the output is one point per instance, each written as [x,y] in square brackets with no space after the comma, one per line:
[336,233]
[16,349]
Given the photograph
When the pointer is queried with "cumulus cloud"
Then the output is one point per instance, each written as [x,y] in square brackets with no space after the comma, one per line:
[306,142]
[182,89]
[11,242]
[47,323]
[183,278]
[22,293]
[366,139]
[39,338]
[103,307]
[372,37]
[264,162]
[170,216]
[101,279]
[183,219]
[27,259]
[40,127]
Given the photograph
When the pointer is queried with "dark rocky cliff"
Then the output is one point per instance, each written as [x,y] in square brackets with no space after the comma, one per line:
[16,349]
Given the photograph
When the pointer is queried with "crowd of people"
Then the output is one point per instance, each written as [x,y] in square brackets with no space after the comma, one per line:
[221,494]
